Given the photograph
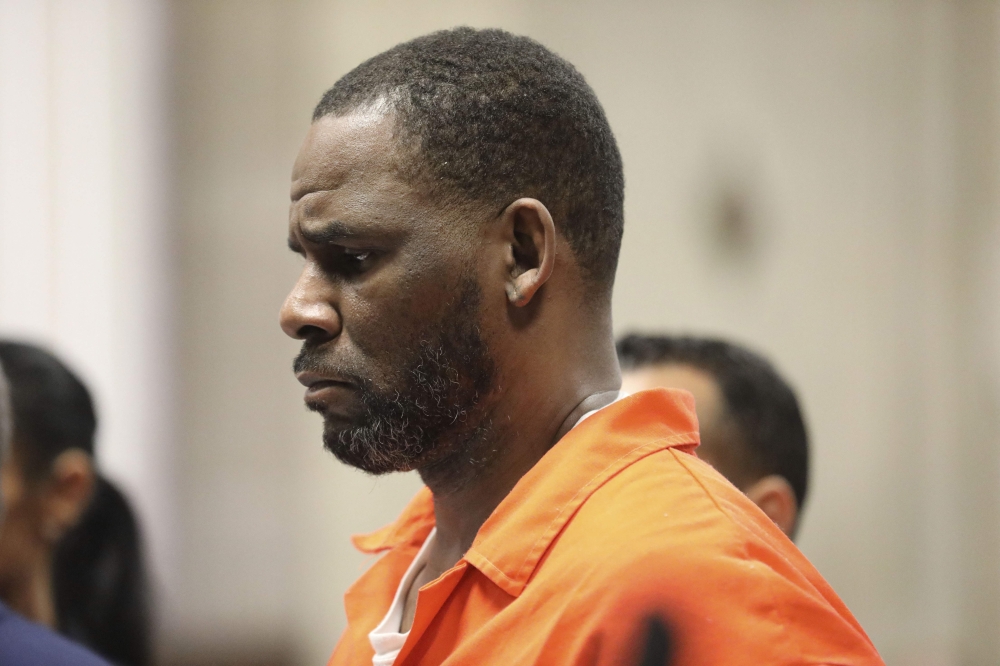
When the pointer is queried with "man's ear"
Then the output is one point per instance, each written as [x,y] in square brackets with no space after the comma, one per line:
[532,250]
[68,492]
[774,495]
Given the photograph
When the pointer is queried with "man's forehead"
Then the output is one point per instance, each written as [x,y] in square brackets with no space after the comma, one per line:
[339,147]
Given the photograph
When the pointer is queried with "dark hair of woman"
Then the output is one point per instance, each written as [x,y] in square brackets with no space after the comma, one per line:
[100,583]
[86,560]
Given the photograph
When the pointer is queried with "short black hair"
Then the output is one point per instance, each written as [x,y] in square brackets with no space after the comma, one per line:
[51,407]
[494,117]
[762,404]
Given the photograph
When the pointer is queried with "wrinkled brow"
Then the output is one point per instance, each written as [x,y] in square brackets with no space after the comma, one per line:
[326,232]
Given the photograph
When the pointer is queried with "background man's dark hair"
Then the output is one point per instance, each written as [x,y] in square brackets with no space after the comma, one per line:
[492,117]
[760,403]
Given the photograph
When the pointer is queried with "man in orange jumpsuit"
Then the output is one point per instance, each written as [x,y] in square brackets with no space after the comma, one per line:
[458,202]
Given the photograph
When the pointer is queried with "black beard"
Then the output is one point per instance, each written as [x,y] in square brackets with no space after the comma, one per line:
[435,418]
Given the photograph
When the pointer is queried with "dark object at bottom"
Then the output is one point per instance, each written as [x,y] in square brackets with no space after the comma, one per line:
[657,648]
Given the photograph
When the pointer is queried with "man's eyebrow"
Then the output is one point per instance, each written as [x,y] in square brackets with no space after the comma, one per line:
[301,191]
[328,232]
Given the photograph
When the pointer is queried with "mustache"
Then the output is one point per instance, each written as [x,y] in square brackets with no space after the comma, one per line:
[311,359]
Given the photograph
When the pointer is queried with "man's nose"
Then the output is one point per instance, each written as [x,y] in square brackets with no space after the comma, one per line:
[310,310]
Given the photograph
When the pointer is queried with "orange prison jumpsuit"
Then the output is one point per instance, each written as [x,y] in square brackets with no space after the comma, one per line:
[617,522]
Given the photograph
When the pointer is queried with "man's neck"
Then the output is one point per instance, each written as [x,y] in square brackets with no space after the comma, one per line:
[460,511]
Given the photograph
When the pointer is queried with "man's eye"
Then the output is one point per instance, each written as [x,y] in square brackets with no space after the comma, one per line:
[357,256]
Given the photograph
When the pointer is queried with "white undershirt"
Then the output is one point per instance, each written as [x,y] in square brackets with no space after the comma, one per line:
[386,639]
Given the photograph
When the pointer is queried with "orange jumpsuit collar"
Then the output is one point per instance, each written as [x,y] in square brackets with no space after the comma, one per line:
[512,541]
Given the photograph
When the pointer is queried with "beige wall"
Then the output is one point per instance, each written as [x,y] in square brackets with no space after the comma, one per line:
[857,143]
[85,262]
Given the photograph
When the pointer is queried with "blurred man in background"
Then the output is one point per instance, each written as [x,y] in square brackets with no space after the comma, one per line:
[24,643]
[751,426]
[459,204]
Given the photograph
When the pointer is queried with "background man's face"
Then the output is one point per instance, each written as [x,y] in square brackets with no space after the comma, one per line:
[716,448]
[388,303]
[721,446]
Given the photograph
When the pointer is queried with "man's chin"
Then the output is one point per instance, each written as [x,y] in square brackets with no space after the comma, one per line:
[374,465]
[355,447]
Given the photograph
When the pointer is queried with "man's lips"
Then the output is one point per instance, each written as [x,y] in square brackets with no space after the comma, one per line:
[320,386]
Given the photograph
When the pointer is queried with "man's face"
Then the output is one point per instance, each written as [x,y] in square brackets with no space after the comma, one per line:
[388,304]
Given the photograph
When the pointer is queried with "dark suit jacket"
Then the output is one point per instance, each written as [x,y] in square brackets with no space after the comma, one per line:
[24,643]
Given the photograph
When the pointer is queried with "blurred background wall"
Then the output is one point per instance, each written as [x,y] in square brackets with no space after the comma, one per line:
[86,260]
[818,180]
